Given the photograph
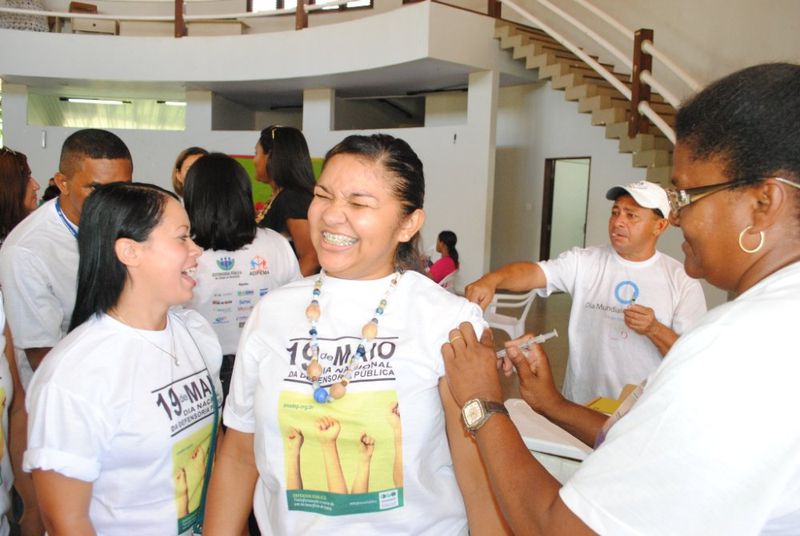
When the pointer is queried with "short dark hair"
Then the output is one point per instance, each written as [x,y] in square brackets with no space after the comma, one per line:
[92,143]
[449,239]
[14,176]
[219,200]
[112,211]
[182,156]
[289,164]
[400,162]
[750,119]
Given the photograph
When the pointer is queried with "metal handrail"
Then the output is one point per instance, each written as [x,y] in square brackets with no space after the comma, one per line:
[646,76]
[170,18]
[621,56]
[157,18]
[647,46]
[650,48]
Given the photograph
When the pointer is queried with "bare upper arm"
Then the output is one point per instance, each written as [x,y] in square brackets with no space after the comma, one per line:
[301,236]
[36,356]
[63,503]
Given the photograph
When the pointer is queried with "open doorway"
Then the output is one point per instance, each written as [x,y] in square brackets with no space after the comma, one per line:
[564,203]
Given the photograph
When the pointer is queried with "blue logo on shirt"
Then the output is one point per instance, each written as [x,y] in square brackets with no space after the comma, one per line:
[626,292]
[225,263]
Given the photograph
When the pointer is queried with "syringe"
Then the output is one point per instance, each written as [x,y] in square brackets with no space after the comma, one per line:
[539,339]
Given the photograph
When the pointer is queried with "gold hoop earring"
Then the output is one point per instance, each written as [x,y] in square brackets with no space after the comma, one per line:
[760,242]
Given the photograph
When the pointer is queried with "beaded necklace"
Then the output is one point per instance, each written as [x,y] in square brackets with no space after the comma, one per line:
[368,333]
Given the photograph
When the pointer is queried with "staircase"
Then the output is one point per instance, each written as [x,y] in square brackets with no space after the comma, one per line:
[594,94]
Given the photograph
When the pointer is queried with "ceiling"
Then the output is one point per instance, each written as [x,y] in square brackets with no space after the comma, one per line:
[409,79]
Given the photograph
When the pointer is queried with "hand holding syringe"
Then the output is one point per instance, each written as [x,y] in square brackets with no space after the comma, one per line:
[539,339]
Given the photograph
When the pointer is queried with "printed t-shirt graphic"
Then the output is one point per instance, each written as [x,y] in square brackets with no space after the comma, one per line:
[344,457]
[186,402]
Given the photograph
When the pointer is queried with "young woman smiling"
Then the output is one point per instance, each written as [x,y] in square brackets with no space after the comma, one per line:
[123,411]
[338,418]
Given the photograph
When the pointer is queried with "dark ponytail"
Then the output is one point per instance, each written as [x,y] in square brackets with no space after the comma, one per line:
[449,239]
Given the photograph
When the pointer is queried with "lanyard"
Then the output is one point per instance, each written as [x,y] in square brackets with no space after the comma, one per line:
[72,229]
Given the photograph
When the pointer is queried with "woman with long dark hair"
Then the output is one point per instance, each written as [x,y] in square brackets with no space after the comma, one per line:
[240,262]
[282,161]
[17,190]
[124,409]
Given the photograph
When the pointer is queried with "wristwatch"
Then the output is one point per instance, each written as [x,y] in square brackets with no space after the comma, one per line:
[476,412]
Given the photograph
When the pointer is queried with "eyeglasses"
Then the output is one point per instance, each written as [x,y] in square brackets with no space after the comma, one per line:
[679,199]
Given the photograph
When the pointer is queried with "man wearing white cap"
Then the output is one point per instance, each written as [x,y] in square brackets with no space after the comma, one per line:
[629,301]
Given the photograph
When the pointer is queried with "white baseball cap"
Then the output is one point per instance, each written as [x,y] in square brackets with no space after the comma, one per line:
[646,194]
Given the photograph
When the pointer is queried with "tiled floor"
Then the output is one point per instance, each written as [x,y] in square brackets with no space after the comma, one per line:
[545,315]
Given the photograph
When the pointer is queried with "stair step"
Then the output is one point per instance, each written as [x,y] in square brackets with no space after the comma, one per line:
[643,142]
[538,61]
[609,116]
[511,41]
[617,130]
[522,51]
[553,70]
[589,90]
[652,158]
[660,175]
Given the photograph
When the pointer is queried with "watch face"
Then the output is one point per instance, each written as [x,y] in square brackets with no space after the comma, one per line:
[473,411]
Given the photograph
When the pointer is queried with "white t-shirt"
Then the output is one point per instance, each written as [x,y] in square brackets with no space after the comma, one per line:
[110,406]
[6,394]
[270,396]
[712,446]
[605,354]
[39,278]
[230,283]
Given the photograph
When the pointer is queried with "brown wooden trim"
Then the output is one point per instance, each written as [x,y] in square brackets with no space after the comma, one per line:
[300,16]
[638,123]
[547,208]
[180,25]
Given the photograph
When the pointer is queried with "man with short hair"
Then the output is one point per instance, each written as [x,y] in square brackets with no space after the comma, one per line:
[39,258]
[629,301]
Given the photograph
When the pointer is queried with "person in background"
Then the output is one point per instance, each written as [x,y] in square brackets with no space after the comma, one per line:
[448,262]
[240,262]
[338,418]
[51,192]
[282,161]
[39,267]
[18,190]
[629,301]
[707,445]
[11,407]
[185,159]
[124,410]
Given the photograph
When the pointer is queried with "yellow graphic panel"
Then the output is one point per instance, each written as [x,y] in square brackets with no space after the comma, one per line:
[189,458]
[348,453]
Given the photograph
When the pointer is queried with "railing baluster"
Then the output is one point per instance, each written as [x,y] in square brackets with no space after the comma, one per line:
[640,91]
[301,16]
[180,26]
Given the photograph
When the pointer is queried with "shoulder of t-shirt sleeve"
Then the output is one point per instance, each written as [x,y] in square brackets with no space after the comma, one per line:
[691,306]
[66,432]
[33,312]
[562,272]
